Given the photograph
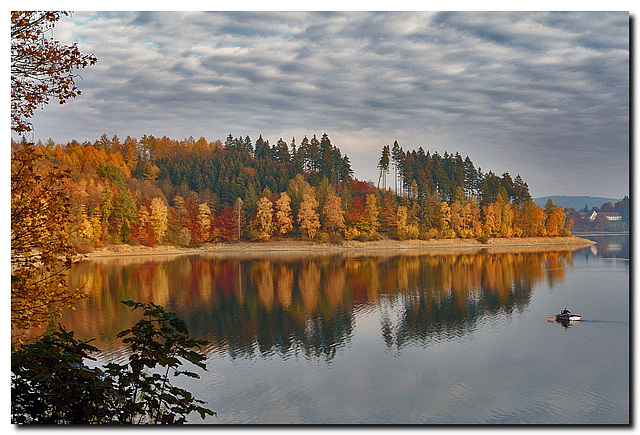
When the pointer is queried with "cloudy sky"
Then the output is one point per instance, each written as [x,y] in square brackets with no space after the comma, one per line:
[543,95]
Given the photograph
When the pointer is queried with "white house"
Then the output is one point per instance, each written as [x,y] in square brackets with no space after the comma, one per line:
[591,215]
[610,215]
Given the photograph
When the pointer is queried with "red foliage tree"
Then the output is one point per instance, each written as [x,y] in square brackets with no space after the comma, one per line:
[226,224]
[356,216]
[191,222]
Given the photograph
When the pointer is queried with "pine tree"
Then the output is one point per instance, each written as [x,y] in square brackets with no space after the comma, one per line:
[346,173]
[383,167]
[397,156]
[323,191]
[296,189]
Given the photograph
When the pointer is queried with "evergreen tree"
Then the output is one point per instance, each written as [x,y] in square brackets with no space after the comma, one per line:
[262,150]
[346,173]
[248,146]
[313,160]
[491,185]
[383,167]
[397,156]
[251,200]
[326,158]
[521,191]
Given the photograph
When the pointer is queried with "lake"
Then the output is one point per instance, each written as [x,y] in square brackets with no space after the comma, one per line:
[434,337]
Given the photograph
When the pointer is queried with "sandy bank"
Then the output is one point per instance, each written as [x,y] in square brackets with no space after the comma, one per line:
[295,246]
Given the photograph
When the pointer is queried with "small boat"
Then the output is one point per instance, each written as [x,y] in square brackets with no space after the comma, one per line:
[568,317]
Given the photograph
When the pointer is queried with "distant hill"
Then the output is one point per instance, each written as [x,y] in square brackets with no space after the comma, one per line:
[577,202]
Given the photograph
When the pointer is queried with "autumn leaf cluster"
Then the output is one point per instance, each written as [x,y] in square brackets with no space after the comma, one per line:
[41,67]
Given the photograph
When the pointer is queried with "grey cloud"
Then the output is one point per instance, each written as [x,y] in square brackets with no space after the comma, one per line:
[478,83]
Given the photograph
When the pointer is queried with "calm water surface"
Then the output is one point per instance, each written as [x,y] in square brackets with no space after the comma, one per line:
[429,338]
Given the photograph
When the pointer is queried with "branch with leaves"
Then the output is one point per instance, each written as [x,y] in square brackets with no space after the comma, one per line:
[51,384]
[41,67]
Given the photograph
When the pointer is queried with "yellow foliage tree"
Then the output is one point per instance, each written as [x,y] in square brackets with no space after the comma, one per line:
[144,221]
[84,229]
[308,217]
[401,219]
[475,220]
[507,222]
[263,222]
[445,220]
[284,214]
[458,221]
[371,212]
[333,214]
[159,219]
[532,220]
[204,220]
[96,227]
[492,217]
[413,220]
[555,221]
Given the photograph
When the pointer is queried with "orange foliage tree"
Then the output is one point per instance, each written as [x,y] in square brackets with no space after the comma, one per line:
[40,249]
[333,214]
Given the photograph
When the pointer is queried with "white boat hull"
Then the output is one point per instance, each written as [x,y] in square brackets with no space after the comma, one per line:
[568,317]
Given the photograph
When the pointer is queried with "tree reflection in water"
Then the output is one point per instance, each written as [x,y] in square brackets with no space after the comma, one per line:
[308,305]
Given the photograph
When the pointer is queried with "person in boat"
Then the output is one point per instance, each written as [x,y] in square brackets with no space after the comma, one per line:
[565,311]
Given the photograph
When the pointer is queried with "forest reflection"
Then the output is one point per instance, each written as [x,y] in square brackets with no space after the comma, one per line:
[308,305]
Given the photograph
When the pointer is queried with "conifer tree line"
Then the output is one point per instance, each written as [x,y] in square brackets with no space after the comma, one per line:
[154,191]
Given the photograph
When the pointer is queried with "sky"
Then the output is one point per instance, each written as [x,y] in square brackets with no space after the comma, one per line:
[540,94]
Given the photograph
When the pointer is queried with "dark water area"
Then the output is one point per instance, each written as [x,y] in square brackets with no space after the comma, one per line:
[448,338]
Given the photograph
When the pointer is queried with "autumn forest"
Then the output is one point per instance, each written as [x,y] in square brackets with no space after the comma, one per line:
[154,191]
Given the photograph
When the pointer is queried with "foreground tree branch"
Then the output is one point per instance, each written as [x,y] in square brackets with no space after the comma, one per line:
[41,67]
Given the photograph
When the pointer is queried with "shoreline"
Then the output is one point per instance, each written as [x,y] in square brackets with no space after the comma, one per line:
[348,246]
